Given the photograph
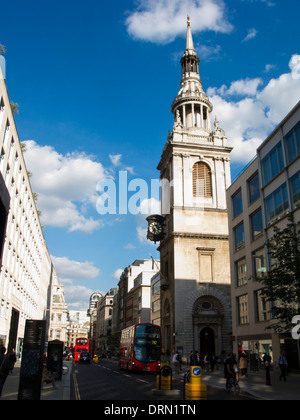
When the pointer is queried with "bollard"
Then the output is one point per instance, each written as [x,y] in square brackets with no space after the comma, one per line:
[194,389]
[164,381]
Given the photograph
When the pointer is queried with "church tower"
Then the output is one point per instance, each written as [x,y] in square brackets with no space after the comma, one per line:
[195,268]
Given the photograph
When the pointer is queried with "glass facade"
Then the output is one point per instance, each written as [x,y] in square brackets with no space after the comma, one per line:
[295,189]
[239,237]
[241,272]
[256,224]
[243,313]
[237,204]
[273,163]
[253,187]
[276,203]
[292,144]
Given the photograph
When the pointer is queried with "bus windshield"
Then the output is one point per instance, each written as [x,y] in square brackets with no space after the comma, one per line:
[81,342]
[147,343]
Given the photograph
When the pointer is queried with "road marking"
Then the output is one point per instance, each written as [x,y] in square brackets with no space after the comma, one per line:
[76,388]
[141,380]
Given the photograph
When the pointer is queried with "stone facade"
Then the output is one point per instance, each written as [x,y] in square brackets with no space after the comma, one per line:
[195,268]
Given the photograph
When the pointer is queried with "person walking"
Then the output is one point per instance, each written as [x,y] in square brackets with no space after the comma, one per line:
[243,365]
[4,367]
[13,359]
[283,365]
[49,370]
[176,362]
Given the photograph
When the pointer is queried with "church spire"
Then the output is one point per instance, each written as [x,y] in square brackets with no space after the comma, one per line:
[189,40]
[191,107]
[190,60]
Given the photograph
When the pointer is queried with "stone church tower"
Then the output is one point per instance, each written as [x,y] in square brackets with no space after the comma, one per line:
[195,173]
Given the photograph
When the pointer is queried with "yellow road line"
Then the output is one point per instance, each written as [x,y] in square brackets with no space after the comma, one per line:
[76,388]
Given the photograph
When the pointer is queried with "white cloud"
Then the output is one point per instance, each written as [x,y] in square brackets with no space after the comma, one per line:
[74,270]
[115,159]
[118,273]
[252,33]
[129,246]
[77,297]
[69,272]
[247,87]
[254,112]
[161,21]
[66,186]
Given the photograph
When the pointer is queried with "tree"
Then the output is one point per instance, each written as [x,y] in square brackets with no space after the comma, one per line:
[2,49]
[14,108]
[282,282]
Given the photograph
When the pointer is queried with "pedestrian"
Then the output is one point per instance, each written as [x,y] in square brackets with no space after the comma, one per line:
[176,362]
[212,362]
[192,359]
[4,367]
[13,359]
[283,365]
[229,372]
[49,370]
[267,361]
[243,365]
[206,362]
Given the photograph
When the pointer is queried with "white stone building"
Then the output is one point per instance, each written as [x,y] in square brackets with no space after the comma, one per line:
[26,268]
[195,269]
[59,317]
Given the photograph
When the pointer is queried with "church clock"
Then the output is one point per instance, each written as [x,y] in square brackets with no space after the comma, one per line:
[155,228]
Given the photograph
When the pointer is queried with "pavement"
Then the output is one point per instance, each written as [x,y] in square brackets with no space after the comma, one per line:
[254,385]
[62,393]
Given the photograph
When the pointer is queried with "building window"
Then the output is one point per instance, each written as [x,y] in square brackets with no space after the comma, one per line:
[292,143]
[243,314]
[295,189]
[261,307]
[256,224]
[253,188]
[259,263]
[241,272]
[237,204]
[273,163]
[239,237]
[276,203]
[202,186]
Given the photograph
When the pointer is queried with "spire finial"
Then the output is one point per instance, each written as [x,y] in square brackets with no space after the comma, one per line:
[188,21]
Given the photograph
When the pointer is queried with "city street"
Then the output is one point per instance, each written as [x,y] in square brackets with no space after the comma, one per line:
[105,381]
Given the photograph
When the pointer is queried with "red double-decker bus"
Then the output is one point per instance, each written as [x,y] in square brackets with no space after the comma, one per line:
[140,348]
[81,345]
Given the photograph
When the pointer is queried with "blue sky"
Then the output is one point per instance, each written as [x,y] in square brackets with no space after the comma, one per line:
[95,80]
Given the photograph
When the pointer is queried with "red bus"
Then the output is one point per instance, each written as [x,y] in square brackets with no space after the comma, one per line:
[140,348]
[81,345]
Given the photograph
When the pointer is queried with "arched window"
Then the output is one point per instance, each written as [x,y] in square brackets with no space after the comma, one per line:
[202,180]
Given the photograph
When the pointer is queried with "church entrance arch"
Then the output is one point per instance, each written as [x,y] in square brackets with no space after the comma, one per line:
[208,319]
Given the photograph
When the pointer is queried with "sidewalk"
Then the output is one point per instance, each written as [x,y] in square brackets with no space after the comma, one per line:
[11,387]
[255,384]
